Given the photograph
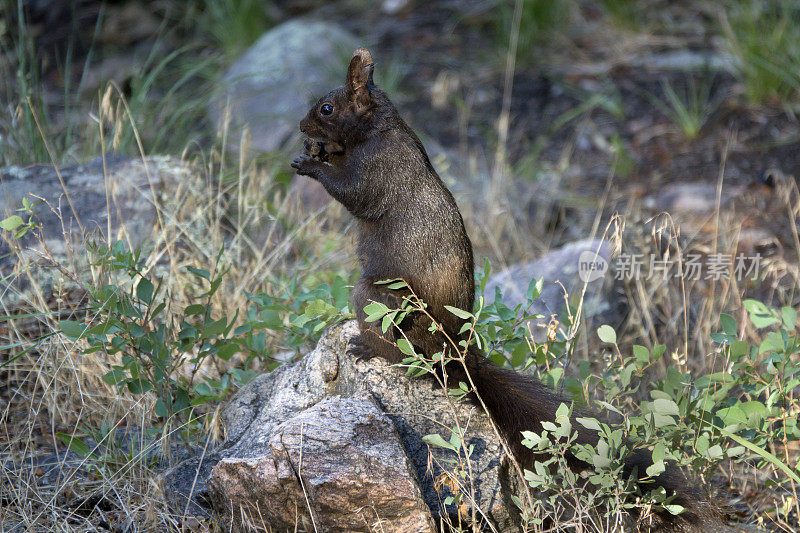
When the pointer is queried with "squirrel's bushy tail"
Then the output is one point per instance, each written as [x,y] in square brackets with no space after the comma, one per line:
[518,402]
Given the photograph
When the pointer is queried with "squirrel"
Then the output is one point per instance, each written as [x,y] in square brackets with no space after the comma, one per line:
[409,227]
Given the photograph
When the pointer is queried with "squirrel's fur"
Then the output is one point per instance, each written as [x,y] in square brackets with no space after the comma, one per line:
[409,227]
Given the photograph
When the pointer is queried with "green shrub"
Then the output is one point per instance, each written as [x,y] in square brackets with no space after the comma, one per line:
[688,108]
[158,107]
[738,414]
[539,21]
[163,350]
[232,25]
[764,36]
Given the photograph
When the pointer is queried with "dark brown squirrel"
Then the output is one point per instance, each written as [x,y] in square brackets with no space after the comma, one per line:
[409,227]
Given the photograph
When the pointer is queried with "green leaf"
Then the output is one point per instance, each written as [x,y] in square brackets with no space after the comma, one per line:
[181,400]
[301,320]
[144,290]
[203,389]
[789,317]
[317,308]
[728,324]
[340,292]
[11,223]
[161,409]
[71,329]
[660,394]
[243,377]
[459,312]
[549,426]
[601,459]
[607,334]
[389,281]
[773,342]
[659,453]
[455,440]
[714,452]
[227,350]
[589,423]
[641,353]
[734,451]
[520,354]
[531,438]
[114,376]
[205,274]
[215,328]
[157,309]
[214,286]
[75,444]
[760,315]
[674,509]
[405,346]
[658,351]
[754,410]
[436,440]
[663,406]
[738,349]
[702,444]
[655,469]
[534,289]
[139,386]
[194,309]
[625,375]
[732,415]
[552,377]
[375,311]
[662,421]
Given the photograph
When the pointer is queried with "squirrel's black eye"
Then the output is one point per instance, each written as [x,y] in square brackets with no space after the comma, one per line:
[325,109]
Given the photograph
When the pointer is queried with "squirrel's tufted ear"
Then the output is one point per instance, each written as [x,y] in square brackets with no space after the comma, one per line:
[359,74]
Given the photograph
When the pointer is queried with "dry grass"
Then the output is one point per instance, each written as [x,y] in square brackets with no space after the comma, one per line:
[227,207]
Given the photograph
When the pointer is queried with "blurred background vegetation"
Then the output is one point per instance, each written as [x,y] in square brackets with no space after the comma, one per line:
[166,56]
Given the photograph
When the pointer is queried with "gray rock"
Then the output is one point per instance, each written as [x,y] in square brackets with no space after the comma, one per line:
[678,60]
[693,207]
[687,198]
[271,87]
[119,198]
[306,394]
[567,266]
[353,468]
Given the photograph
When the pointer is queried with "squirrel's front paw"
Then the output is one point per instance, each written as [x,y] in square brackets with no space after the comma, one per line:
[306,166]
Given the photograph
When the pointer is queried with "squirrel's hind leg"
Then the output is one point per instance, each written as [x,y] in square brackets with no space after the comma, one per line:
[373,341]
[359,349]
